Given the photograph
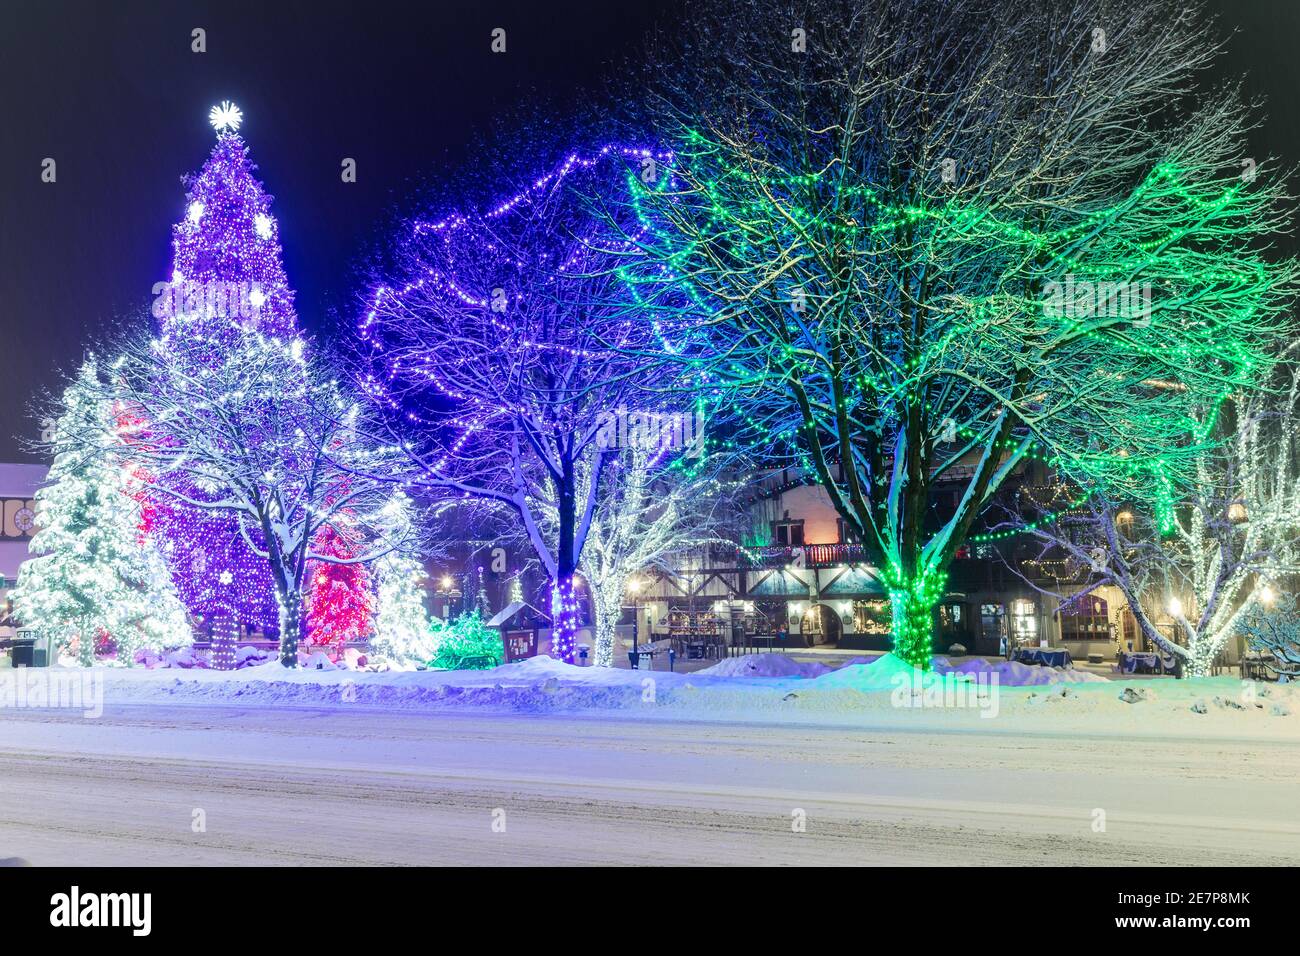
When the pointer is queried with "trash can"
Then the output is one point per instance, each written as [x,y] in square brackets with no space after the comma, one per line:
[31,648]
[23,652]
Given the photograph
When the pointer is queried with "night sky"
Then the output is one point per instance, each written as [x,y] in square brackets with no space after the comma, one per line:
[112,91]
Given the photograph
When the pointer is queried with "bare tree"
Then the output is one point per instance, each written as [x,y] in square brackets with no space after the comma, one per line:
[493,352]
[1273,630]
[934,239]
[1208,559]
[263,433]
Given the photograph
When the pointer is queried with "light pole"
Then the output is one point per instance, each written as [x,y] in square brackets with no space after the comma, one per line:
[448,592]
[634,587]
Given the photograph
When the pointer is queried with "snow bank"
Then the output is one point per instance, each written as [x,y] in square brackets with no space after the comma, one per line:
[1016,674]
[1027,699]
[316,661]
[887,672]
[764,665]
[884,673]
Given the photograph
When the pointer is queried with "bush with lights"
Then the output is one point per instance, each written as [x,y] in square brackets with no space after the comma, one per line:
[466,643]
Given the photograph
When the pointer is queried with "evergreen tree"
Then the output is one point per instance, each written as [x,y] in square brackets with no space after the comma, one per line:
[466,643]
[97,573]
[227,279]
[402,635]
[340,602]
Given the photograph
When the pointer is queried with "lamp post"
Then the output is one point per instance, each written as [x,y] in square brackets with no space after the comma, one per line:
[634,588]
[448,592]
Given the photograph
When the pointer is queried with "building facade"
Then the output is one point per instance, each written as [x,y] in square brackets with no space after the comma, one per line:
[18,484]
[800,582]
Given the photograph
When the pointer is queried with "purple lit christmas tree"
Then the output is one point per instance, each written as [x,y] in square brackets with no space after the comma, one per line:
[226,273]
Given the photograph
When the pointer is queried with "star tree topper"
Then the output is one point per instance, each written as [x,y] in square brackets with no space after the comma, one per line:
[225,117]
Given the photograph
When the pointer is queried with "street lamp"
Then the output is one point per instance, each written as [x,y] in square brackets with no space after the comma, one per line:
[448,592]
[634,588]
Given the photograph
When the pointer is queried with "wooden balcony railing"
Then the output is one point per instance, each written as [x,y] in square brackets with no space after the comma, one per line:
[809,556]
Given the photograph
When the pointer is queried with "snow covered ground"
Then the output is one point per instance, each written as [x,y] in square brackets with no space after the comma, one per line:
[879,692]
[585,765]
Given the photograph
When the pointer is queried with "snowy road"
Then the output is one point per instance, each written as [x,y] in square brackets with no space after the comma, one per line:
[296,786]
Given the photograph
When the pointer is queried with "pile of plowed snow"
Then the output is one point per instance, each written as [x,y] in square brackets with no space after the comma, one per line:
[1016,674]
[764,665]
[888,672]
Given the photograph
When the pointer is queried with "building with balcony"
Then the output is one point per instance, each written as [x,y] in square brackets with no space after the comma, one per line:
[801,583]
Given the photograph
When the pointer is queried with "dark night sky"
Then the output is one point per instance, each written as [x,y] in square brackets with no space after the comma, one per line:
[113,93]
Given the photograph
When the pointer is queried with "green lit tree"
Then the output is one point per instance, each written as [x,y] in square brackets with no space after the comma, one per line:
[1206,561]
[466,643]
[935,241]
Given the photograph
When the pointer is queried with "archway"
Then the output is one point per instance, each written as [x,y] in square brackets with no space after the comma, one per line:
[821,626]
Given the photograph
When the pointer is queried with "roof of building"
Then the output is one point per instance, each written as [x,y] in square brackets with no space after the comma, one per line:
[510,610]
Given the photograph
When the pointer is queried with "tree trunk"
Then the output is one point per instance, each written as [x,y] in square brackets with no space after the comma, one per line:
[606,622]
[223,641]
[912,603]
[564,607]
[290,627]
[564,619]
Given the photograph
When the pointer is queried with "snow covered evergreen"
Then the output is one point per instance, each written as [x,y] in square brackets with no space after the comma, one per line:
[96,572]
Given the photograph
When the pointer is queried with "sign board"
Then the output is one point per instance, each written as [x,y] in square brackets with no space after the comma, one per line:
[519,645]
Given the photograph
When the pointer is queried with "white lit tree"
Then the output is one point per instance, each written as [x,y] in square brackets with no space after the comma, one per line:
[255,426]
[402,633]
[1210,558]
[656,503]
[96,571]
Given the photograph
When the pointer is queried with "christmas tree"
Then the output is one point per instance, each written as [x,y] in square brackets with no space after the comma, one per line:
[227,275]
[402,634]
[339,600]
[97,576]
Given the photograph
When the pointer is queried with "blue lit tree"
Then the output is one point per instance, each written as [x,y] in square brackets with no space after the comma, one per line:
[500,344]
